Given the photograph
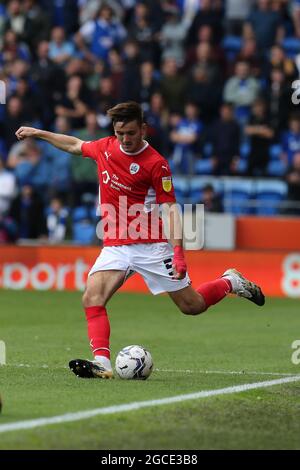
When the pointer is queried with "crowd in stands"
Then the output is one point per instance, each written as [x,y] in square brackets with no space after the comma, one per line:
[217,81]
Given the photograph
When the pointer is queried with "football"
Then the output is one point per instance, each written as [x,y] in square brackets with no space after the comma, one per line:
[134,362]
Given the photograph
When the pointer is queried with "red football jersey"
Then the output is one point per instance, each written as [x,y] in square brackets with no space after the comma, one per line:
[132,185]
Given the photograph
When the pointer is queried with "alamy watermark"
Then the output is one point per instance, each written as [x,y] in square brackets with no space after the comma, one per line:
[2,92]
[140,223]
[296,93]
[296,354]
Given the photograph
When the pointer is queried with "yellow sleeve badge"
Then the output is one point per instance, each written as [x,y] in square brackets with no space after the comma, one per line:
[167,183]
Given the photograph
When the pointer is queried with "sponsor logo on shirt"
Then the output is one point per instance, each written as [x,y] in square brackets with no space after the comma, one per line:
[134,168]
[167,183]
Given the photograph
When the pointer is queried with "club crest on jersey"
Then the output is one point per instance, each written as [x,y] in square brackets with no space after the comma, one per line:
[134,168]
[167,183]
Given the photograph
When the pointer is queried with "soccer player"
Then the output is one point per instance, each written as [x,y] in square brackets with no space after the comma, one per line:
[135,179]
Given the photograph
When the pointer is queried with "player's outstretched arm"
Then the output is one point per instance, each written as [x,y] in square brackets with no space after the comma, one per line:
[175,236]
[67,143]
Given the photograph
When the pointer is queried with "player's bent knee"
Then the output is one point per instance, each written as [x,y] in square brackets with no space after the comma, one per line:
[191,309]
[90,299]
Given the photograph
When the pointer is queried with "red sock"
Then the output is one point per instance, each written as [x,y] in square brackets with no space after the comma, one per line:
[214,291]
[98,330]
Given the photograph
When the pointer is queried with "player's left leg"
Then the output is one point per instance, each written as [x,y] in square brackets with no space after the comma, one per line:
[193,302]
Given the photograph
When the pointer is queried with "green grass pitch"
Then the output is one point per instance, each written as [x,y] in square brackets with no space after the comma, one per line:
[44,330]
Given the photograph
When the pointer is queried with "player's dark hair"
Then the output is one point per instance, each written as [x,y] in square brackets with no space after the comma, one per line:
[126,112]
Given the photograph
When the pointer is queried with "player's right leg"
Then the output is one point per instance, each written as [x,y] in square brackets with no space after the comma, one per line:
[101,285]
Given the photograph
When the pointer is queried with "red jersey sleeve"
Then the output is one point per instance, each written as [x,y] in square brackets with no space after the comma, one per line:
[162,182]
[93,149]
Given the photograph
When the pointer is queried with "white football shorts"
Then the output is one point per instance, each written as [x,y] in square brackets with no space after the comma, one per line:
[153,261]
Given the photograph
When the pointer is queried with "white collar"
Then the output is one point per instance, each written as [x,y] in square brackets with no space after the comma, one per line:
[135,153]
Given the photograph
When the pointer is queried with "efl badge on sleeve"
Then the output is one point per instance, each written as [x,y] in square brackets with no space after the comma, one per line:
[167,183]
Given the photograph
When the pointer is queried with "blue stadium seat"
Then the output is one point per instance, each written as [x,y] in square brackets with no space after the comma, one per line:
[84,233]
[238,193]
[269,195]
[275,151]
[80,213]
[203,166]
[182,188]
[232,46]
[276,167]
[291,46]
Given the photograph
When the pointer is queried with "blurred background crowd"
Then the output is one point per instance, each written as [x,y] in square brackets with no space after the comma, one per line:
[217,81]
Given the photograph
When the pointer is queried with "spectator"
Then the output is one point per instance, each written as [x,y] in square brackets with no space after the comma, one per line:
[265,24]
[173,85]
[132,62]
[236,12]
[37,24]
[28,211]
[225,139]
[157,120]
[49,81]
[74,104]
[116,72]
[204,93]
[57,217]
[15,17]
[278,59]
[260,136]
[205,59]
[172,36]
[290,140]
[144,31]
[104,100]
[60,50]
[84,171]
[14,118]
[293,180]
[210,15]
[59,162]
[30,166]
[186,140]
[13,48]
[8,188]
[101,34]
[211,200]
[249,53]
[63,13]
[241,90]
[278,95]
[148,84]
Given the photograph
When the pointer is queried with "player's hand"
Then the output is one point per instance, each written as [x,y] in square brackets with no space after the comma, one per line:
[179,264]
[24,132]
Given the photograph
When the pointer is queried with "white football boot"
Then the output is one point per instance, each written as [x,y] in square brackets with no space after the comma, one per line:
[244,288]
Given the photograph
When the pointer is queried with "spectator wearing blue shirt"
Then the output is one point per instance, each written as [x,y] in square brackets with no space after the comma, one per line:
[57,217]
[102,34]
[59,176]
[186,140]
[290,140]
[60,50]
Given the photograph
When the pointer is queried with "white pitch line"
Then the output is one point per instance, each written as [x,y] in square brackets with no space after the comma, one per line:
[180,371]
[226,372]
[70,417]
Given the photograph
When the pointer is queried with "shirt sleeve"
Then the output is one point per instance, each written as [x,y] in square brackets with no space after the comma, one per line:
[92,149]
[162,182]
